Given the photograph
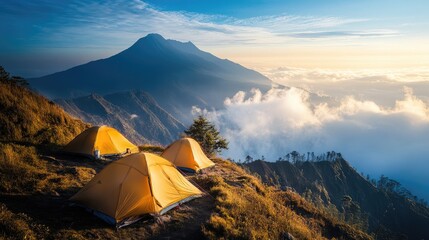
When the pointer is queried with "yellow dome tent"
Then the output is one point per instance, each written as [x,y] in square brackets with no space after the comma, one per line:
[106,140]
[187,154]
[135,185]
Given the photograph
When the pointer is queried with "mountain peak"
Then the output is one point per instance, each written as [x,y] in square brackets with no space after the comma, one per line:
[152,39]
[154,36]
[157,39]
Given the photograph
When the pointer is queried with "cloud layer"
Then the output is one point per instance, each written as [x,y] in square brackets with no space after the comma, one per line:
[383,87]
[375,139]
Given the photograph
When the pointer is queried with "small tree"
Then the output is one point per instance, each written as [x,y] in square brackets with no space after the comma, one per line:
[207,136]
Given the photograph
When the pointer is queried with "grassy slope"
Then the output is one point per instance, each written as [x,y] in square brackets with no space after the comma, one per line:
[29,118]
[36,183]
[31,125]
[247,209]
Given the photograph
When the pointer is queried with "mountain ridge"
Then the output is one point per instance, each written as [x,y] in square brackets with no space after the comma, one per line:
[330,182]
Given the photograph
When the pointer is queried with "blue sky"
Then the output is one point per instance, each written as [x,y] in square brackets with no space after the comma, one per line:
[47,36]
[341,8]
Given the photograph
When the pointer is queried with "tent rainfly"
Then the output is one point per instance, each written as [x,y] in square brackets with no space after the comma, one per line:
[100,141]
[187,154]
[135,185]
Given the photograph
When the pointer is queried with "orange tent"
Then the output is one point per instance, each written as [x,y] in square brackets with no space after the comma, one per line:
[187,154]
[135,185]
[106,140]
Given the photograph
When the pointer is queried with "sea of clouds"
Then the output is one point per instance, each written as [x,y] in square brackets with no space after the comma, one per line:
[376,139]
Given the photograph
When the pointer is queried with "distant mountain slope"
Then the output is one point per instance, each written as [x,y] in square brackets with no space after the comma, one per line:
[178,75]
[331,181]
[134,113]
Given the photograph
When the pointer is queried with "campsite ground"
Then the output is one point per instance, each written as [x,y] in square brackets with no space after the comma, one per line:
[237,205]
[53,212]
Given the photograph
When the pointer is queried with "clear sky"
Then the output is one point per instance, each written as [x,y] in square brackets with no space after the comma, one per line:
[41,37]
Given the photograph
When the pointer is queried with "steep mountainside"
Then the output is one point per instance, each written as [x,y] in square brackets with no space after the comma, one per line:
[27,117]
[134,113]
[333,182]
[178,75]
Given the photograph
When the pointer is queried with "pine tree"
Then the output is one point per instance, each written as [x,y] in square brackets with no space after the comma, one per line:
[207,136]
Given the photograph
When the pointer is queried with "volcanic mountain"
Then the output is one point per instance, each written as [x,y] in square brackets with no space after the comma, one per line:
[177,74]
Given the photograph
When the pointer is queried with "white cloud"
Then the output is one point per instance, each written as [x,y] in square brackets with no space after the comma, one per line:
[344,34]
[375,139]
[381,86]
[132,116]
[292,74]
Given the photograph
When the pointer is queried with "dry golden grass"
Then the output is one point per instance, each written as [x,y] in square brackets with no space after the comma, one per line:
[22,171]
[19,226]
[247,209]
[30,125]
[28,117]
[151,148]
